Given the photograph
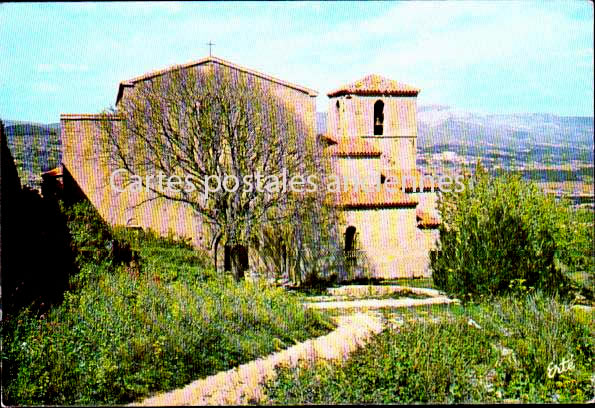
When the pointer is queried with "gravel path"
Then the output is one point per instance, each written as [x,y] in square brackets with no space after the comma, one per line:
[242,385]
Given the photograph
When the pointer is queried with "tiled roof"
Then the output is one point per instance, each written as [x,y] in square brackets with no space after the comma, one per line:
[375,85]
[396,177]
[426,220]
[206,60]
[375,199]
[352,147]
[328,138]
[56,172]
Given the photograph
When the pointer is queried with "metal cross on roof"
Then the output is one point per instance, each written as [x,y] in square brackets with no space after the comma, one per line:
[210,44]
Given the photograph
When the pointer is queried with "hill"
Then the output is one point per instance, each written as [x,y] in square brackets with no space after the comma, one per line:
[527,142]
[36,148]
[541,137]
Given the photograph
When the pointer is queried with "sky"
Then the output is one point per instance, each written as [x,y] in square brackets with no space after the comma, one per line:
[478,56]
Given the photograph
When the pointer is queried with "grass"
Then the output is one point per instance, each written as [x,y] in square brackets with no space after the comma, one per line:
[415,282]
[127,330]
[438,310]
[453,361]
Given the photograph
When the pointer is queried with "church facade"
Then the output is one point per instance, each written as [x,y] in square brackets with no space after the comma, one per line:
[371,141]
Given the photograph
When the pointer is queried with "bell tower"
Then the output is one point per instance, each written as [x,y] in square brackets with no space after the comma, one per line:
[383,113]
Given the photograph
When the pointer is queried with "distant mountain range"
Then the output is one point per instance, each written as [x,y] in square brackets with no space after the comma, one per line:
[442,125]
[52,126]
[439,124]
[536,137]
[441,128]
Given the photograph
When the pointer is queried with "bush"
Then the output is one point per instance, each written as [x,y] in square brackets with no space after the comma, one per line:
[501,230]
[90,240]
[127,330]
[452,361]
[540,332]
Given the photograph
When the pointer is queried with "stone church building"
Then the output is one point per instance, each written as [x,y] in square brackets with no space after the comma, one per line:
[388,221]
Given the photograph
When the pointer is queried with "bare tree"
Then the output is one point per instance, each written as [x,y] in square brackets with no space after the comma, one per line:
[307,247]
[200,128]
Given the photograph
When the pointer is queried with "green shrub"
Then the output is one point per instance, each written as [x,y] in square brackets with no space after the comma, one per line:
[90,240]
[540,332]
[125,331]
[501,230]
[453,361]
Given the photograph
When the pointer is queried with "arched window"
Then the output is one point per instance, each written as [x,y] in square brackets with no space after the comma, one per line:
[350,239]
[378,117]
[350,248]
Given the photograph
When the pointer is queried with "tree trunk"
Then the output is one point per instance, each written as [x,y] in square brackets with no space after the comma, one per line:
[215,250]
[239,261]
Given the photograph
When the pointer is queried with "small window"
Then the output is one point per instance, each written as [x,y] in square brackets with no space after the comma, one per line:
[378,118]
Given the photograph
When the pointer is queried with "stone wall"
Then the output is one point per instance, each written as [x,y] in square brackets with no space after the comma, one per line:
[355,117]
[302,103]
[363,170]
[391,240]
[90,171]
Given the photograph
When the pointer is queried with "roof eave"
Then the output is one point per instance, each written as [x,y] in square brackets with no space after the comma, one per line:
[153,74]
[89,116]
[121,90]
[335,94]
[372,206]
[359,155]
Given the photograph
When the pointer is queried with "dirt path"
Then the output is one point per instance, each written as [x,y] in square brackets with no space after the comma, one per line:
[242,385]
[379,290]
[380,303]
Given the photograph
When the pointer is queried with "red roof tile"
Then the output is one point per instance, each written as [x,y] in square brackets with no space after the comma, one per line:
[375,199]
[328,138]
[411,177]
[57,172]
[426,219]
[375,85]
[353,147]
